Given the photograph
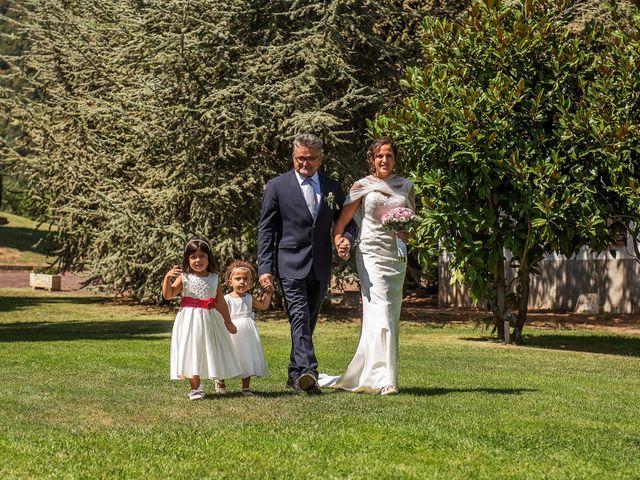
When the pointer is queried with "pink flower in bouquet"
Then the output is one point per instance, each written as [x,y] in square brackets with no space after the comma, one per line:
[400,218]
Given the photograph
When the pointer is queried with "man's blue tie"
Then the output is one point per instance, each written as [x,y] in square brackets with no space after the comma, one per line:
[309,193]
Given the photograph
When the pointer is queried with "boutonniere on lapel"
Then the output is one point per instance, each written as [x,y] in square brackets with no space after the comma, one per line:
[331,201]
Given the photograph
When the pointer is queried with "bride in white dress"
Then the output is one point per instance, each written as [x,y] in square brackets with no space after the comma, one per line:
[374,367]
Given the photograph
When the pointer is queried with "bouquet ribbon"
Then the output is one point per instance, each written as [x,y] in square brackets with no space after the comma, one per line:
[402,250]
[208,303]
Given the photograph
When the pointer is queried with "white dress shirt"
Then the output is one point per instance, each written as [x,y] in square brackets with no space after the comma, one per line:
[310,192]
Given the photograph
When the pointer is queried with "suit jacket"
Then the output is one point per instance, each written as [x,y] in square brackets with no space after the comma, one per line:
[290,241]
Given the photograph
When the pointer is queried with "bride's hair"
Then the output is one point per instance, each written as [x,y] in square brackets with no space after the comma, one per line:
[373,149]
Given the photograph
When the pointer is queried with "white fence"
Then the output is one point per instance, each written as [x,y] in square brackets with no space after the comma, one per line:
[615,281]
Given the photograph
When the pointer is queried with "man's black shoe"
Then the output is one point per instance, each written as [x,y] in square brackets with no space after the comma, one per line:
[306,381]
[292,384]
[315,390]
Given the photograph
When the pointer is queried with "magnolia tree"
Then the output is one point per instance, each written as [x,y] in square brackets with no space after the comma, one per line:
[522,136]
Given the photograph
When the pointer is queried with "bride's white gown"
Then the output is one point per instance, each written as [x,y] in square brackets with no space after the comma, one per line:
[375,363]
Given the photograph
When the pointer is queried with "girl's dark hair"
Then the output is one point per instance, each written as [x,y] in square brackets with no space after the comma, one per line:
[193,245]
[373,149]
[239,264]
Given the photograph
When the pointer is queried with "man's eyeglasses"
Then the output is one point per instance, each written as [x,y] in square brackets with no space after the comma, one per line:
[306,159]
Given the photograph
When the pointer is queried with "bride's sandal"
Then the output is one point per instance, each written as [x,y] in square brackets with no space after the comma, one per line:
[389,390]
[221,388]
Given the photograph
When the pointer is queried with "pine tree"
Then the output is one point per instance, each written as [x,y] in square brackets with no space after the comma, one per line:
[157,120]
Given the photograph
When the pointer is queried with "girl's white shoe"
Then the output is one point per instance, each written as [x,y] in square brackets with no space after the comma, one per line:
[196,394]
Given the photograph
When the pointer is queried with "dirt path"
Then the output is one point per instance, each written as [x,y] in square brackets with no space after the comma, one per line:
[415,308]
[424,309]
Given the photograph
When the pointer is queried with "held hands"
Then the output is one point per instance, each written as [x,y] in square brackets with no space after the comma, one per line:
[230,326]
[266,282]
[344,247]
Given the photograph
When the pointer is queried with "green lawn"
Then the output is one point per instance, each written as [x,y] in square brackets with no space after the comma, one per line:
[20,241]
[85,393]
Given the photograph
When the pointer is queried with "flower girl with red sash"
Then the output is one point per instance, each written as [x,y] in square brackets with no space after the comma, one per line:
[200,343]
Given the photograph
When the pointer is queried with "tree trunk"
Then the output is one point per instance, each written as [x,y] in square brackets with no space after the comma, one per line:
[522,305]
[502,325]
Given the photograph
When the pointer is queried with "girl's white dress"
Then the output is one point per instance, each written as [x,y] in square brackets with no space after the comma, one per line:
[200,343]
[247,341]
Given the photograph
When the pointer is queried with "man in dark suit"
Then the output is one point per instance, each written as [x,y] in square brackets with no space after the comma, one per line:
[295,243]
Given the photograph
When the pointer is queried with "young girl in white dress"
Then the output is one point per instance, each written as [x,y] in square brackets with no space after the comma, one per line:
[200,343]
[246,341]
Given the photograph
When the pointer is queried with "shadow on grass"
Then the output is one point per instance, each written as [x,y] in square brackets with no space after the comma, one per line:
[608,344]
[236,394]
[23,239]
[430,392]
[96,330]
[8,304]
[419,391]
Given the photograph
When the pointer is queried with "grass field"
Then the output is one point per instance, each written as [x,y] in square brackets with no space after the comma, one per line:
[85,393]
[20,241]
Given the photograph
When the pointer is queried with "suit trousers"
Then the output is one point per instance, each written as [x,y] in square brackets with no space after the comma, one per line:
[302,300]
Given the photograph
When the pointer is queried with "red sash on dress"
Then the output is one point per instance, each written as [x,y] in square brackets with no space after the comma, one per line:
[208,303]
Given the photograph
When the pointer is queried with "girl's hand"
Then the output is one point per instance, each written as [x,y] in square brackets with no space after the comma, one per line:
[174,272]
[172,283]
[262,303]
[230,326]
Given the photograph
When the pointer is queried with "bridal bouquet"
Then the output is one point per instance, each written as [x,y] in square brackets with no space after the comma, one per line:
[398,219]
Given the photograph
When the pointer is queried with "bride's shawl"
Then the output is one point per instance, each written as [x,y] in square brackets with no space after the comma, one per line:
[391,186]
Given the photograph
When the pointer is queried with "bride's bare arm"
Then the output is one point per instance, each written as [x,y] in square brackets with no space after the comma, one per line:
[346,214]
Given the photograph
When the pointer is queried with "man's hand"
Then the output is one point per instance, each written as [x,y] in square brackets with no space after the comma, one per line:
[344,247]
[266,282]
